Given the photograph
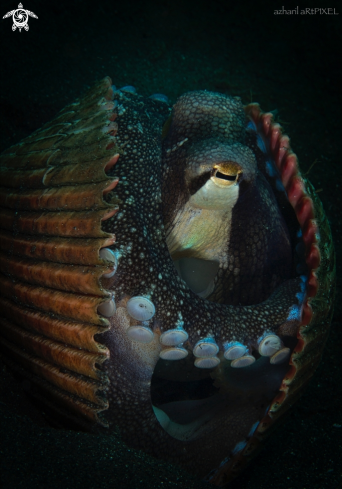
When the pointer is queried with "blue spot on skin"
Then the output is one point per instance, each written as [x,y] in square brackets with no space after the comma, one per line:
[265,333]
[272,172]
[300,297]
[299,233]
[254,427]
[294,314]
[304,279]
[239,446]
[224,461]
[251,125]
[232,343]
[279,185]
[270,165]
[261,144]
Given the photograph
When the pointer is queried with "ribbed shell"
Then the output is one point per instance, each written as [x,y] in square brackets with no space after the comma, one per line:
[51,208]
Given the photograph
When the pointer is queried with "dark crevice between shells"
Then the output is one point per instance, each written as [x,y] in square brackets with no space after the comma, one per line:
[187,400]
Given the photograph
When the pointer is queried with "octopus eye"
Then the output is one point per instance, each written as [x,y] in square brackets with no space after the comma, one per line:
[226,174]
[220,175]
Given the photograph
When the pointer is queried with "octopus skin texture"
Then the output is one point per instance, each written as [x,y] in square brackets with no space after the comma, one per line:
[165,271]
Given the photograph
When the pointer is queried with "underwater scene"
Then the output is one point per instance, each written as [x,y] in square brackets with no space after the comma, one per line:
[170,244]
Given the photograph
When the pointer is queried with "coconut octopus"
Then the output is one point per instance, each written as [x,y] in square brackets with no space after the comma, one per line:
[164,271]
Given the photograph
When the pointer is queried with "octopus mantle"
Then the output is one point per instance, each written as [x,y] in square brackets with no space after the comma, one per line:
[166,272]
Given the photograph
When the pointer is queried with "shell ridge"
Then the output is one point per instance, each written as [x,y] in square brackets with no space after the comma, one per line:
[47,211]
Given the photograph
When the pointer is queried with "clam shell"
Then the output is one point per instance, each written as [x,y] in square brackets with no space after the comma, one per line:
[51,208]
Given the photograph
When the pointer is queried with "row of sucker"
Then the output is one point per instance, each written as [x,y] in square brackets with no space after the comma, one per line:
[205,350]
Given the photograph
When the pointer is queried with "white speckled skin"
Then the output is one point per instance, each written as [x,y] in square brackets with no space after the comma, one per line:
[153,186]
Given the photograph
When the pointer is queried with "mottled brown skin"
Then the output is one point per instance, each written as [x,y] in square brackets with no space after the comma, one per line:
[259,248]
[85,365]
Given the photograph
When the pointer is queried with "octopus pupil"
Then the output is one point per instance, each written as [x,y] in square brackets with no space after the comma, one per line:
[231,178]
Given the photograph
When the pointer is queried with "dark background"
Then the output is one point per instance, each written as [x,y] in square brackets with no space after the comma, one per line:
[285,62]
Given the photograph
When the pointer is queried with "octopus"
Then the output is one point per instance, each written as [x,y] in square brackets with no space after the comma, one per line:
[165,271]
